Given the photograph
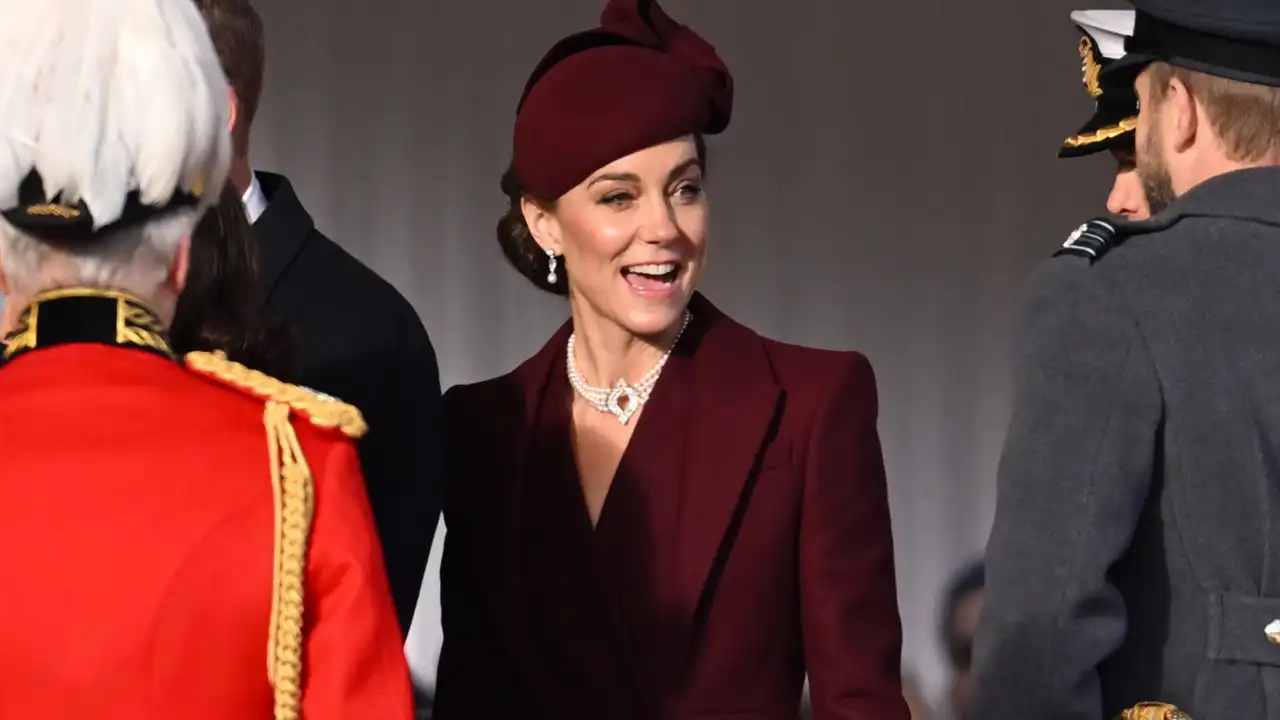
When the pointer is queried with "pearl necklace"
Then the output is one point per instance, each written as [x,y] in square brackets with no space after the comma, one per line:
[610,400]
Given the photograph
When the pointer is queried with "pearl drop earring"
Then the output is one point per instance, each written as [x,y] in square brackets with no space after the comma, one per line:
[551,267]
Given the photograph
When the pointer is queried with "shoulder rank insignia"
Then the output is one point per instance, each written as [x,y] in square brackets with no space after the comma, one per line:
[1091,240]
[322,410]
[293,490]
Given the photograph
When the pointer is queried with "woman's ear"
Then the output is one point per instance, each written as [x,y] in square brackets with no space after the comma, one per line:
[542,225]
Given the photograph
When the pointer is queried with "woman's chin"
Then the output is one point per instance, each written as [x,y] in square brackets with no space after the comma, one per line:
[651,319]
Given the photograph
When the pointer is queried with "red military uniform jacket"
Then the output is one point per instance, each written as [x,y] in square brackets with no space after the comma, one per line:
[180,541]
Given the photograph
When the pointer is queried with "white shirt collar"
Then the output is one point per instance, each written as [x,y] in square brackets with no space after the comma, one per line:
[255,202]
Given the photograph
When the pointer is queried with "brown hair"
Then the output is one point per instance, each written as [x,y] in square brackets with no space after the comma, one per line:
[517,242]
[220,308]
[236,30]
[1245,115]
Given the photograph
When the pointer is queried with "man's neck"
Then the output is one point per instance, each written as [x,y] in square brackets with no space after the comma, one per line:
[1214,165]
[241,175]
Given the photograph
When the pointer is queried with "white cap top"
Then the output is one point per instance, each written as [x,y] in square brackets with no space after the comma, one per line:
[1108,28]
[104,97]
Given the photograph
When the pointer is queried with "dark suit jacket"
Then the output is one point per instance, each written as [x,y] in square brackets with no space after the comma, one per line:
[745,540]
[1134,552]
[361,341]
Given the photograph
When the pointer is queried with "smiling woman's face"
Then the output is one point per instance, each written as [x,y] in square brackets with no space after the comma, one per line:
[633,236]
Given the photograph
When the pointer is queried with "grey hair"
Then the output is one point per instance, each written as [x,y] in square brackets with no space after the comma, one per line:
[136,259]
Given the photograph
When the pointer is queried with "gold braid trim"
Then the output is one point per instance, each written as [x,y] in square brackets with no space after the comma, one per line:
[293,492]
[323,411]
[1153,711]
[1090,68]
[1101,134]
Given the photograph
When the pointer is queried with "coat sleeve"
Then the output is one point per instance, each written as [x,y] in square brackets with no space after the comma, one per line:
[848,594]
[475,677]
[405,463]
[1073,479]
[354,660]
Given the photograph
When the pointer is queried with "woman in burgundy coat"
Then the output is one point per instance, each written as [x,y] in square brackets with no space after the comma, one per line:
[661,514]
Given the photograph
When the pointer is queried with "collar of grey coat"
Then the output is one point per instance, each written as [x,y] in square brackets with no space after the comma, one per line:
[1248,194]
[281,230]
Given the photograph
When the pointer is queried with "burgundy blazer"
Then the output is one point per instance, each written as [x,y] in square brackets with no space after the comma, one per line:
[745,541]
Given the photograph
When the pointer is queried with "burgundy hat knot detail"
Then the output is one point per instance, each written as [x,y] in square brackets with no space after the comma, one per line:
[638,80]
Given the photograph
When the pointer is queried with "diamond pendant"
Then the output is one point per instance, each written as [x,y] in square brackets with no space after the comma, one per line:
[620,391]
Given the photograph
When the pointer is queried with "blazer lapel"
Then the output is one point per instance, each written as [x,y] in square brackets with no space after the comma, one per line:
[531,380]
[556,615]
[280,231]
[698,443]
[722,403]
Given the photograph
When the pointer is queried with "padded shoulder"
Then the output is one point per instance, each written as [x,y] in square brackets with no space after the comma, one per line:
[321,410]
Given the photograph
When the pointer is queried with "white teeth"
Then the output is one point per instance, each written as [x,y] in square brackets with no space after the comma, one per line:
[658,269]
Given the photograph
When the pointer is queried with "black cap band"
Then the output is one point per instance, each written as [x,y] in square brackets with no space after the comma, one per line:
[52,219]
[1154,39]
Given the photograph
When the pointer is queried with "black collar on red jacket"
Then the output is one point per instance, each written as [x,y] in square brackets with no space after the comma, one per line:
[86,315]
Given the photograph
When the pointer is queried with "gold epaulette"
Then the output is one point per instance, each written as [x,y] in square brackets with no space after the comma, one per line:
[321,410]
[294,494]
[1153,711]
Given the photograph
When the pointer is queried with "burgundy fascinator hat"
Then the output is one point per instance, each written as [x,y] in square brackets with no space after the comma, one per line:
[638,80]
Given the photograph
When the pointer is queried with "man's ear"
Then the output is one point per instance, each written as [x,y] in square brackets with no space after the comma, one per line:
[542,225]
[12,306]
[181,266]
[9,315]
[233,110]
[1183,115]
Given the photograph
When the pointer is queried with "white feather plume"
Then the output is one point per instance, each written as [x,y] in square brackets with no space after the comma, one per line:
[103,97]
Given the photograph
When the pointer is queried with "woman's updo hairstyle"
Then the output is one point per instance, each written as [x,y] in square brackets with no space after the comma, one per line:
[518,245]
[638,80]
